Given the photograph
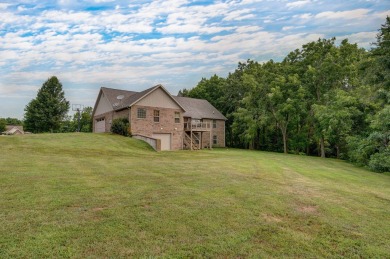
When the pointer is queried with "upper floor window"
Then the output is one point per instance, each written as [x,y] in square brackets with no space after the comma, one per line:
[156,115]
[177,117]
[141,113]
[214,124]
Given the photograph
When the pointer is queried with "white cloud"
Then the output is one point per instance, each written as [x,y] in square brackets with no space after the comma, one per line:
[297,4]
[242,29]
[246,2]
[304,16]
[363,39]
[346,15]
[288,28]
[21,8]
[239,15]
[4,6]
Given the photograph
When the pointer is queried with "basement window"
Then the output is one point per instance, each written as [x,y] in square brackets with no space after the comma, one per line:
[177,117]
[156,115]
[141,113]
[215,140]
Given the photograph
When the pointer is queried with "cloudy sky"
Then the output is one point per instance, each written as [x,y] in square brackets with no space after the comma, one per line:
[136,44]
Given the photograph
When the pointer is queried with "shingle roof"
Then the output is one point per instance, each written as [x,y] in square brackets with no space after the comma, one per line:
[130,100]
[199,108]
[112,95]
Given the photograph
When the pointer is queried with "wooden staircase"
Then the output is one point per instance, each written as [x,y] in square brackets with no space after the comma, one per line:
[191,143]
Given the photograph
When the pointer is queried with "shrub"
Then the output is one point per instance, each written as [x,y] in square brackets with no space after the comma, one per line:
[121,126]
[380,162]
[360,149]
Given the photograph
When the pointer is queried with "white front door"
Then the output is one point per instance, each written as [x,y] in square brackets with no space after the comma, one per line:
[165,140]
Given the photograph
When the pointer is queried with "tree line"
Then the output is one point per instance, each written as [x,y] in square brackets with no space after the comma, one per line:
[325,99]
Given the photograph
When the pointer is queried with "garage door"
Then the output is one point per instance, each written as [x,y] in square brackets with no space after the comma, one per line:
[100,126]
[165,140]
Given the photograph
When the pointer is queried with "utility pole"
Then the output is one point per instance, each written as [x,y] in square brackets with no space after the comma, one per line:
[77,108]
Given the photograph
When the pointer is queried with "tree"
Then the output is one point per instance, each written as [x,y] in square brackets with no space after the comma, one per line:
[48,109]
[284,103]
[209,89]
[68,125]
[233,91]
[71,124]
[336,117]
[85,119]
[183,93]
[2,125]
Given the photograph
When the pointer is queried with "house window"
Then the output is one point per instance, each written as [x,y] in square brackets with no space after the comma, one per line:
[141,113]
[214,124]
[177,117]
[156,115]
[215,140]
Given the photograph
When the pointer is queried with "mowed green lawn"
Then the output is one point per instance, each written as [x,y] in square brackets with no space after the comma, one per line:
[101,195]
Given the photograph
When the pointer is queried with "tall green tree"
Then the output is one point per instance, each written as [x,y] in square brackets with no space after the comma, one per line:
[318,60]
[251,113]
[336,118]
[285,101]
[233,92]
[46,112]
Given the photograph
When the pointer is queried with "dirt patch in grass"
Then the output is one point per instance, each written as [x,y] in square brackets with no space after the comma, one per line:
[272,218]
[308,209]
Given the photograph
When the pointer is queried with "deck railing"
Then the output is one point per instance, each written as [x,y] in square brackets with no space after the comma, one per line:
[197,125]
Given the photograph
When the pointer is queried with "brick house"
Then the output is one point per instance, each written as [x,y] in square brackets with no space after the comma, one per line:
[166,122]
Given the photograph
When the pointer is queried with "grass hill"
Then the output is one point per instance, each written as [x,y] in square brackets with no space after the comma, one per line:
[101,195]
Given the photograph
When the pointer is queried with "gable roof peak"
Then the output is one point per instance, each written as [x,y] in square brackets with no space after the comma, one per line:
[135,98]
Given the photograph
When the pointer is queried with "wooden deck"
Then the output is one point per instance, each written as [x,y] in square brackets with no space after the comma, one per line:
[197,126]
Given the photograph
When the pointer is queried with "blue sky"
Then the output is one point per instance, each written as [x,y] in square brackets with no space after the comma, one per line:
[134,45]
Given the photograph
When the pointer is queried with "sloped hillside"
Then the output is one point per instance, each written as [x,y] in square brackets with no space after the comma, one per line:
[101,195]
